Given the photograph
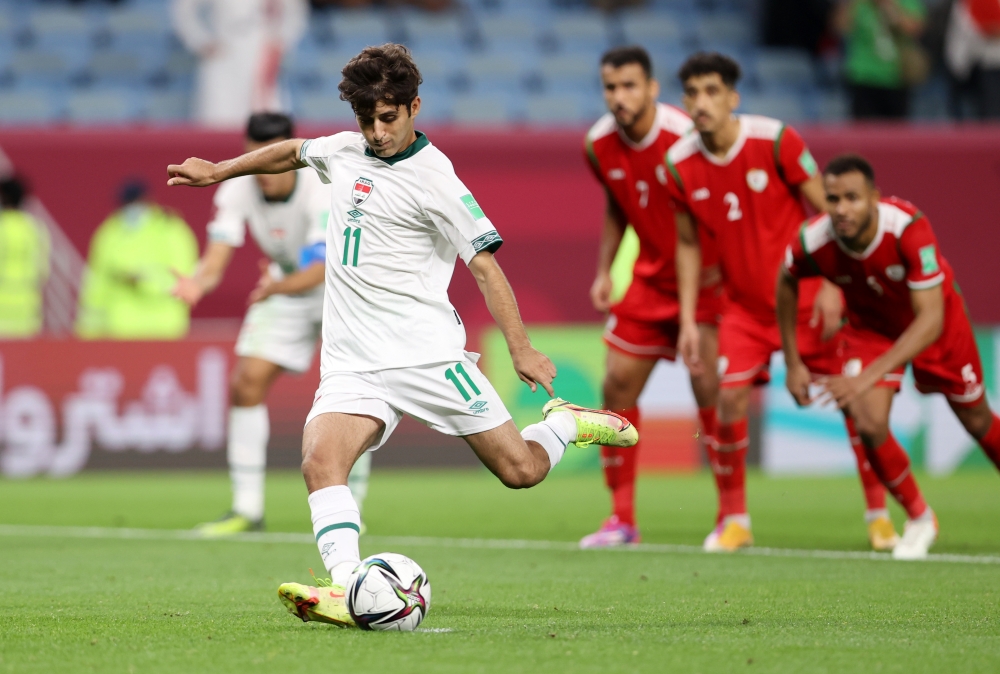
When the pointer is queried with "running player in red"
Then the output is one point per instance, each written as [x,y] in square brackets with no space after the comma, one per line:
[626,149]
[739,181]
[902,305]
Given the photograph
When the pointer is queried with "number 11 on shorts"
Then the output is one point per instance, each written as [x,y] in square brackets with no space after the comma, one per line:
[450,376]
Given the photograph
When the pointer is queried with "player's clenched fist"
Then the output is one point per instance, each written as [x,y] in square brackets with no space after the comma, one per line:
[193,172]
[600,292]
[797,380]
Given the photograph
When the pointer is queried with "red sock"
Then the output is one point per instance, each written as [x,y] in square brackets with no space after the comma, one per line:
[872,486]
[731,469]
[619,472]
[892,466]
[991,442]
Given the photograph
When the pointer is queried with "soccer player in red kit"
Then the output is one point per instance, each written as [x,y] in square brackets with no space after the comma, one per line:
[739,181]
[902,305]
[626,150]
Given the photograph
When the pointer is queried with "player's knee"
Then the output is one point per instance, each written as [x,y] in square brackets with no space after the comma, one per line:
[245,390]
[618,390]
[520,475]
[977,420]
[733,403]
[873,432]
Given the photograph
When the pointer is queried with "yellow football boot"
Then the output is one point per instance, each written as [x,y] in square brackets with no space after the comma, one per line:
[326,603]
[229,524]
[595,427]
[882,534]
[729,536]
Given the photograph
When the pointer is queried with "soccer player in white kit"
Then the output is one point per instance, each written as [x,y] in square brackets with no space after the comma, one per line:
[286,215]
[393,344]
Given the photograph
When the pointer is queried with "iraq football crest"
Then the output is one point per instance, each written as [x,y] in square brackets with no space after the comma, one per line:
[362,190]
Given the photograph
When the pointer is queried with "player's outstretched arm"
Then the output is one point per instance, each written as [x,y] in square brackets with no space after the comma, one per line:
[532,366]
[797,378]
[688,279]
[928,322]
[275,158]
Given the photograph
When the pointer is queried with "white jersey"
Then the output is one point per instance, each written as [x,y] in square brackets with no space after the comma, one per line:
[396,227]
[280,228]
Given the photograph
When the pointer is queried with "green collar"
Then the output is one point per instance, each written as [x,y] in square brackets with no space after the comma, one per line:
[416,146]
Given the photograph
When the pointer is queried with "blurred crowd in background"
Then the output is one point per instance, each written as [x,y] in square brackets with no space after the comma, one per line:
[484,62]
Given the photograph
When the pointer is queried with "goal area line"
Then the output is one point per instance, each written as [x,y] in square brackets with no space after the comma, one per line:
[42,531]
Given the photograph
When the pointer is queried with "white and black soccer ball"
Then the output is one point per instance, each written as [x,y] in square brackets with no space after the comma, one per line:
[388,592]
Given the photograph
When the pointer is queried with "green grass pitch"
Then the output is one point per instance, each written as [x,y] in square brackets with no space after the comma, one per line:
[100,604]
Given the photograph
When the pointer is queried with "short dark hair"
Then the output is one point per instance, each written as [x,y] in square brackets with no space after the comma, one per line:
[707,63]
[620,56]
[849,163]
[385,73]
[265,126]
[12,191]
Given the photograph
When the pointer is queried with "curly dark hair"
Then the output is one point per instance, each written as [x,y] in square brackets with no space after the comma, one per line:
[385,73]
[707,63]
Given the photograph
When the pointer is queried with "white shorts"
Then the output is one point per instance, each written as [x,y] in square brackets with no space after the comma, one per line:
[453,398]
[283,329]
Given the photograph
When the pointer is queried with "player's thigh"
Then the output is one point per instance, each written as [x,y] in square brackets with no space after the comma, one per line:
[251,379]
[332,443]
[507,455]
[624,378]
[745,348]
[870,413]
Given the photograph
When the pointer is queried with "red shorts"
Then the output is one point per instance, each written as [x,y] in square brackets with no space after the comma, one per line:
[951,365]
[746,344]
[645,323]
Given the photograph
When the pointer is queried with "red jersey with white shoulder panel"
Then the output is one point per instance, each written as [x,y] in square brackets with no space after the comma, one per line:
[903,256]
[749,205]
[635,176]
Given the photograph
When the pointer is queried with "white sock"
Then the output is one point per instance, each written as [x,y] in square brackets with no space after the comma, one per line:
[336,524]
[743,520]
[875,513]
[553,435]
[357,481]
[249,431]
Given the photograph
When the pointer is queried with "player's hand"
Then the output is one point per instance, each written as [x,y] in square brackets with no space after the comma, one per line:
[689,346]
[829,308]
[600,292]
[187,289]
[535,369]
[843,390]
[265,284]
[797,380]
[193,172]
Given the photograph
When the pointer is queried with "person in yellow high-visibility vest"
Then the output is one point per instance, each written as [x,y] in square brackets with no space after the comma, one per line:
[135,257]
[24,264]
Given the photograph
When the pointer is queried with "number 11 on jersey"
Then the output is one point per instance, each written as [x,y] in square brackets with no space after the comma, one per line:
[349,233]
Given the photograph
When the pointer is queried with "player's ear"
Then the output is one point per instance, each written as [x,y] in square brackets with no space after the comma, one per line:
[734,99]
[415,107]
[654,88]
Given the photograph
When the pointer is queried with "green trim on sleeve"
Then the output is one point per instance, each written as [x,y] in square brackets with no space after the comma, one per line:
[589,147]
[777,147]
[674,172]
[802,242]
[490,242]
[302,150]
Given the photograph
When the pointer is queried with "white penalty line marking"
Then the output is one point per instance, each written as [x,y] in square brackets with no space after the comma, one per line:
[35,531]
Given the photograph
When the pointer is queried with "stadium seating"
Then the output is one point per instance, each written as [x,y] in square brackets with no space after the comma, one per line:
[510,61]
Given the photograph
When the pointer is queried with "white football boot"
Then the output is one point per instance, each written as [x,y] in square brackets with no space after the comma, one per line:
[918,537]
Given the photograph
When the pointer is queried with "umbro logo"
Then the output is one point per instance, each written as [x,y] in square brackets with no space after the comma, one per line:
[700,194]
[479,407]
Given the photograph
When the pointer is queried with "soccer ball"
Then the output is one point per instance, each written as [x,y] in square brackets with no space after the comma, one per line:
[388,592]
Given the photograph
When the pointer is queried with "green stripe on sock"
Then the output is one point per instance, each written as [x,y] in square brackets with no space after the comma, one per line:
[340,525]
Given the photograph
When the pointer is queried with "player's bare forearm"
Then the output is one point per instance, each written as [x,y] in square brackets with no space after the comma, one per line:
[788,310]
[928,322]
[611,239]
[208,275]
[688,261]
[275,158]
[533,367]
[814,193]
[293,284]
